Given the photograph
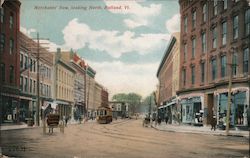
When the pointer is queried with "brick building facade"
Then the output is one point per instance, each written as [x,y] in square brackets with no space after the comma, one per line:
[167,75]
[214,39]
[9,60]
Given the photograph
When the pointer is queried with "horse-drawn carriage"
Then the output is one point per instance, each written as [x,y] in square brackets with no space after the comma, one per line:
[146,122]
[52,121]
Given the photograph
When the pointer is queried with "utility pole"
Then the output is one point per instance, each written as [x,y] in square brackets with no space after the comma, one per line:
[229,102]
[38,82]
[229,99]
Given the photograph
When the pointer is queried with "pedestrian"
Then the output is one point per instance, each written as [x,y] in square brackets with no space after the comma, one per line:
[166,119]
[213,123]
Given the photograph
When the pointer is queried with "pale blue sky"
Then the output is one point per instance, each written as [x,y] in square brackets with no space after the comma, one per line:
[124,46]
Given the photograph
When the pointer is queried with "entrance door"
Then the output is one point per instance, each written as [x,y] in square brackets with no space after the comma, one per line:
[239,114]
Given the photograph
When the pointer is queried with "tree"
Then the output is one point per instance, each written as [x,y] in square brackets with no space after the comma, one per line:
[133,100]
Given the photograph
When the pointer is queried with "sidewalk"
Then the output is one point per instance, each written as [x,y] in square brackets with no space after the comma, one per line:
[14,127]
[199,130]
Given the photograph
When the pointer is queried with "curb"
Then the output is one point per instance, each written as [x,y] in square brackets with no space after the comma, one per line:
[201,132]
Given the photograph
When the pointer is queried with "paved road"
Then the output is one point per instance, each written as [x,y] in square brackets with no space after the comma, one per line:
[124,139]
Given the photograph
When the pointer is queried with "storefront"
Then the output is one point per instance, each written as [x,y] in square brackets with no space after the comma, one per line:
[192,109]
[10,108]
[239,106]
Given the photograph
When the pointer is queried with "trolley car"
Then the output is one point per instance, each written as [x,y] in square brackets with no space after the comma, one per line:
[104,115]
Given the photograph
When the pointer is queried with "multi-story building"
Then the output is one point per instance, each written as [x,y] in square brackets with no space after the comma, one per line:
[90,92]
[97,95]
[105,97]
[28,78]
[168,76]
[79,87]
[214,44]
[64,86]
[9,60]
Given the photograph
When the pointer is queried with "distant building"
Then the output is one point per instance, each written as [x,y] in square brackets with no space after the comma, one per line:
[214,38]
[105,97]
[64,86]
[79,65]
[9,61]
[90,92]
[119,109]
[168,76]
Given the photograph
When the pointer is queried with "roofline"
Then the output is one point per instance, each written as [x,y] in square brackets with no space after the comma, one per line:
[167,52]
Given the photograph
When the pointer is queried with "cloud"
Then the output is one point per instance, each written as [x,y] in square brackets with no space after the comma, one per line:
[79,35]
[121,77]
[173,24]
[138,15]
[26,31]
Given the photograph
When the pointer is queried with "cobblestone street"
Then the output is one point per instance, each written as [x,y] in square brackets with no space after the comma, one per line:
[123,138]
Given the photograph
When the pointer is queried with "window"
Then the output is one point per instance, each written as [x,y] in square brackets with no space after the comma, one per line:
[26,84]
[11,74]
[214,69]
[193,74]
[204,13]
[34,86]
[193,47]
[234,64]
[224,33]
[215,7]
[235,27]
[214,34]
[184,77]
[2,72]
[34,66]
[21,60]
[185,24]
[2,15]
[223,66]
[11,20]
[245,60]
[31,85]
[194,19]
[224,4]
[2,44]
[202,72]
[11,46]
[247,22]
[185,52]
[31,61]
[21,83]
[203,42]
[26,62]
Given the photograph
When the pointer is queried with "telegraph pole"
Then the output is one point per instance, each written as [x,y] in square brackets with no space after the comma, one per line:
[38,82]
[229,99]
[229,102]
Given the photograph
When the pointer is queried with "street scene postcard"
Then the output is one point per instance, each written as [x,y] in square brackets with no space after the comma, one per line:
[124,78]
